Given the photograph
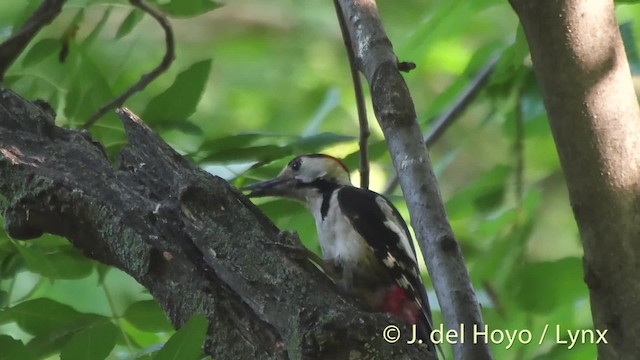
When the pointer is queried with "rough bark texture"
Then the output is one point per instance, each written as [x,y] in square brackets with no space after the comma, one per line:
[579,60]
[396,114]
[194,241]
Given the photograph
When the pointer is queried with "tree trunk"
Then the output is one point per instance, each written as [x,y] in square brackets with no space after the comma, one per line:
[580,63]
[194,241]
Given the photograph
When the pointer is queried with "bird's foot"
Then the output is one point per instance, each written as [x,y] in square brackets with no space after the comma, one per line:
[291,242]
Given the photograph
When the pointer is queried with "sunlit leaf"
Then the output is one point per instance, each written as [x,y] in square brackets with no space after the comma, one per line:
[147,316]
[56,263]
[264,153]
[44,316]
[10,264]
[510,63]
[41,50]
[189,8]
[129,23]
[483,194]
[93,35]
[94,342]
[180,100]
[533,291]
[315,143]
[377,149]
[187,342]
[330,102]
[236,141]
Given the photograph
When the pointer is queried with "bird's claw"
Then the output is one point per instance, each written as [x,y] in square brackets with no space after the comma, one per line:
[292,243]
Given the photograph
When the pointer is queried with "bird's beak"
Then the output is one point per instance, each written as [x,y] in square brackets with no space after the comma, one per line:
[278,186]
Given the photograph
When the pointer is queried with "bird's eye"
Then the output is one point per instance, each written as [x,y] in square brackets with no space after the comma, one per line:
[295,166]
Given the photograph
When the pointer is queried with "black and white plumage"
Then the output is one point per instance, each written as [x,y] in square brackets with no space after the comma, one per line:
[361,234]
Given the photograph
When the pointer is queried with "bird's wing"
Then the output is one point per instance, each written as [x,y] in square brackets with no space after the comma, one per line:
[379,223]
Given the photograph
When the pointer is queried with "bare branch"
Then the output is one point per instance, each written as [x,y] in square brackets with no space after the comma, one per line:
[442,122]
[396,115]
[148,77]
[11,48]
[360,103]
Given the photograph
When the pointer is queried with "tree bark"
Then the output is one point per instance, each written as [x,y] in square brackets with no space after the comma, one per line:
[579,60]
[397,117]
[194,241]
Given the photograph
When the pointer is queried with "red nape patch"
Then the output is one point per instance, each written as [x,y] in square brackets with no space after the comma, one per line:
[398,302]
[332,158]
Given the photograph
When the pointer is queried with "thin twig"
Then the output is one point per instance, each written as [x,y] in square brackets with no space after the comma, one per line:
[519,153]
[11,48]
[362,109]
[148,77]
[442,122]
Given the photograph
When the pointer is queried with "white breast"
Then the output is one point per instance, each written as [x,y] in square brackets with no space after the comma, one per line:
[339,241]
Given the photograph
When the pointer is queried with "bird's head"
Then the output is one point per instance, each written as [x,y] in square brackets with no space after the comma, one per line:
[304,177]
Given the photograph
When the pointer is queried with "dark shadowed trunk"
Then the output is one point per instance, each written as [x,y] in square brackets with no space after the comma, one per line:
[580,62]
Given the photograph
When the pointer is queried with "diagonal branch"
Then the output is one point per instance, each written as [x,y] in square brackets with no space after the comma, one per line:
[11,48]
[362,108]
[396,114]
[147,78]
[193,240]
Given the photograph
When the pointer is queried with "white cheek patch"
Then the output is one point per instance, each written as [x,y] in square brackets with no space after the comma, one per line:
[308,176]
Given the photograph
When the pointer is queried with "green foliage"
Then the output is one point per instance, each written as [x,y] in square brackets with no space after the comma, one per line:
[186,342]
[179,101]
[280,86]
[147,316]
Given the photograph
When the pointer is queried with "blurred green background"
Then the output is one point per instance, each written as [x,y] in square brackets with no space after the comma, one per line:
[260,81]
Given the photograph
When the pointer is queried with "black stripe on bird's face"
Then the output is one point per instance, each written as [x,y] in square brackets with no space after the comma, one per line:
[324,187]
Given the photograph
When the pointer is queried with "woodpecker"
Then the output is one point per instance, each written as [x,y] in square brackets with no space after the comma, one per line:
[362,236]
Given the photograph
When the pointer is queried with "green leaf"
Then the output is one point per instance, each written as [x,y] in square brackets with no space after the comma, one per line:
[148,316]
[330,102]
[510,62]
[10,265]
[41,50]
[264,153]
[629,41]
[377,149]
[318,142]
[187,342]
[542,286]
[45,316]
[93,35]
[84,97]
[483,194]
[12,349]
[229,142]
[93,343]
[180,100]
[4,298]
[63,262]
[189,8]
[129,23]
